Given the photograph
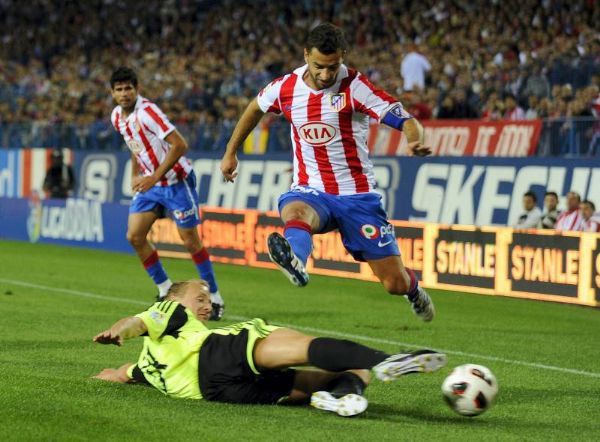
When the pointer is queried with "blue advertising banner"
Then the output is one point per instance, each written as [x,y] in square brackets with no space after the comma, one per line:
[471,190]
[72,222]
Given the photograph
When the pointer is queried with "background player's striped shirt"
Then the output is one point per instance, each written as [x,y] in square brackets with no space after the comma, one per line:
[329,128]
[144,132]
[569,220]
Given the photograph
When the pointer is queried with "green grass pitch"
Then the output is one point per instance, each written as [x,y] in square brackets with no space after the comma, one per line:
[54,299]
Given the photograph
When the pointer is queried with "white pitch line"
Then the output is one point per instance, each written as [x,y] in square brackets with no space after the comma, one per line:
[319,331]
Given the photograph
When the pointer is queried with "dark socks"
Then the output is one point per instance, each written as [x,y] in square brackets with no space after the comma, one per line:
[341,355]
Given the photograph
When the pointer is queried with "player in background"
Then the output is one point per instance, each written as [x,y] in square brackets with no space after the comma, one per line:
[249,362]
[329,106]
[570,219]
[162,180]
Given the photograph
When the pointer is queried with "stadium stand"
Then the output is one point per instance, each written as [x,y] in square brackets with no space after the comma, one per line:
[202,60]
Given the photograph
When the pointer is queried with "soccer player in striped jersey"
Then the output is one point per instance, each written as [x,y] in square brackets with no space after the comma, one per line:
[249,362]
[162,180]
[329,106]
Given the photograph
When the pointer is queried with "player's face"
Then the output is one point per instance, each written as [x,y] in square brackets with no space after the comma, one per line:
[323,69]
[586,210]
[197,300]
[125,94]
[550,202]
[528,203]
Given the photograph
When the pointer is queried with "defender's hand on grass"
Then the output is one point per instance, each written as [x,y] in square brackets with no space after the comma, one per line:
[108,337]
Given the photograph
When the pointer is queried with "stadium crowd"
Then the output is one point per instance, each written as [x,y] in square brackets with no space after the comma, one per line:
[202,60]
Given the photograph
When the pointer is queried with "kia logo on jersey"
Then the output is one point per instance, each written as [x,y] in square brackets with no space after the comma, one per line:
[316,132]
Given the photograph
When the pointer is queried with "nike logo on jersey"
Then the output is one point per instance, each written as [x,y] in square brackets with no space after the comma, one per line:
[383,244]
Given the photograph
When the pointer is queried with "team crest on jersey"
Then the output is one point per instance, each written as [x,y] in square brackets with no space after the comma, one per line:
[337,101]
[134,146]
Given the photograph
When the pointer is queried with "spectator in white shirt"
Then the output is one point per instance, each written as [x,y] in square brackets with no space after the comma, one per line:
[414,68]
[532,214]
[571,218]
[590,222]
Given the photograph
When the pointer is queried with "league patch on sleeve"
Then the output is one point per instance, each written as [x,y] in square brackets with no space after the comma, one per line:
[158,317]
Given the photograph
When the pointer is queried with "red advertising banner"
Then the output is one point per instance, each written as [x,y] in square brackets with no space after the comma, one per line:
[463,138]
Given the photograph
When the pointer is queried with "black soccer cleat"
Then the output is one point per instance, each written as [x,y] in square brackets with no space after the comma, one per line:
[282,255]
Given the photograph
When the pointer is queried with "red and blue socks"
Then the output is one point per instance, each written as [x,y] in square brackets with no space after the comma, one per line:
[156,271]
[299,235]
[205,269]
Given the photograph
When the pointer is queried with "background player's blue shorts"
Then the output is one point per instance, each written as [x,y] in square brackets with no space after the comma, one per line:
[180,200]
[361,220]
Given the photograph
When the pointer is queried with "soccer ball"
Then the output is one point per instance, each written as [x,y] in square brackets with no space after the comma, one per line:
[470,389]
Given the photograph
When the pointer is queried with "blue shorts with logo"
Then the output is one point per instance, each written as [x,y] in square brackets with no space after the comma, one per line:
[362,221]
[180,200]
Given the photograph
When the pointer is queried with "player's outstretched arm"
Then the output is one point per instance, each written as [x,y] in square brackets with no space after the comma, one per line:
[245,125]
[126,328]
[415,137]
[115,374]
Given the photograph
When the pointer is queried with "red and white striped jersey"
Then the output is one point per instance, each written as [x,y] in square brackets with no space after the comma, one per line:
[590,225]
[144,132]
[329,128]
[569,220]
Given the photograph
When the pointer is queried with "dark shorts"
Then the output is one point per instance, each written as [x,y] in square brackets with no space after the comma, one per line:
[226,376]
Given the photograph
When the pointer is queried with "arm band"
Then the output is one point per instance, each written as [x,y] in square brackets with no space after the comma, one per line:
[395,117]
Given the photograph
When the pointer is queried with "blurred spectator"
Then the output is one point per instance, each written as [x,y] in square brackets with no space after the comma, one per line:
[531,215]
[214,55]
[551,213]
[415,106]
[414,68]
[590,222]
[571,218]
[456,106]
[513,111]
[60,179]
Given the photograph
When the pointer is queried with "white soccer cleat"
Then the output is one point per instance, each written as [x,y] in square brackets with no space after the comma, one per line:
[218,306]
[422,305]
[348,405]
[281,254]
[420,361]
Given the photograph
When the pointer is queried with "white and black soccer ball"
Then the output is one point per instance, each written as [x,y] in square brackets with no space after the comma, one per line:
[470,389]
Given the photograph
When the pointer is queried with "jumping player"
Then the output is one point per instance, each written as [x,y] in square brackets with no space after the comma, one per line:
[163,181]
[329,106]
[249,362]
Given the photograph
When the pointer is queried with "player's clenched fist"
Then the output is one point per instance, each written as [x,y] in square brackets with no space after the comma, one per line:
[229,164]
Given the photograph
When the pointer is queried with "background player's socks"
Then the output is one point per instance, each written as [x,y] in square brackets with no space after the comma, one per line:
[205,269]
[340,355]
[156,271]
[413,290]
[299,235]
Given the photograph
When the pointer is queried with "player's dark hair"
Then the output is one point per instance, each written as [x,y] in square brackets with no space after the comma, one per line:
[589,203]
[554,194]
[123,75]
[327,38]
[530,194]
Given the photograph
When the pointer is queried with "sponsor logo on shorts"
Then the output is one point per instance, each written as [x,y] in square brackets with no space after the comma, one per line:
[179,215]
[317,133]
[369,231]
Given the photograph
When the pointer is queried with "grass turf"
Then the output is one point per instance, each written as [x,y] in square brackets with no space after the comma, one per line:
[47,357]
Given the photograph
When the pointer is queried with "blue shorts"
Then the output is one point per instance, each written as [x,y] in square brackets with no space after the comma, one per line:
[180,200]
[361,220]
